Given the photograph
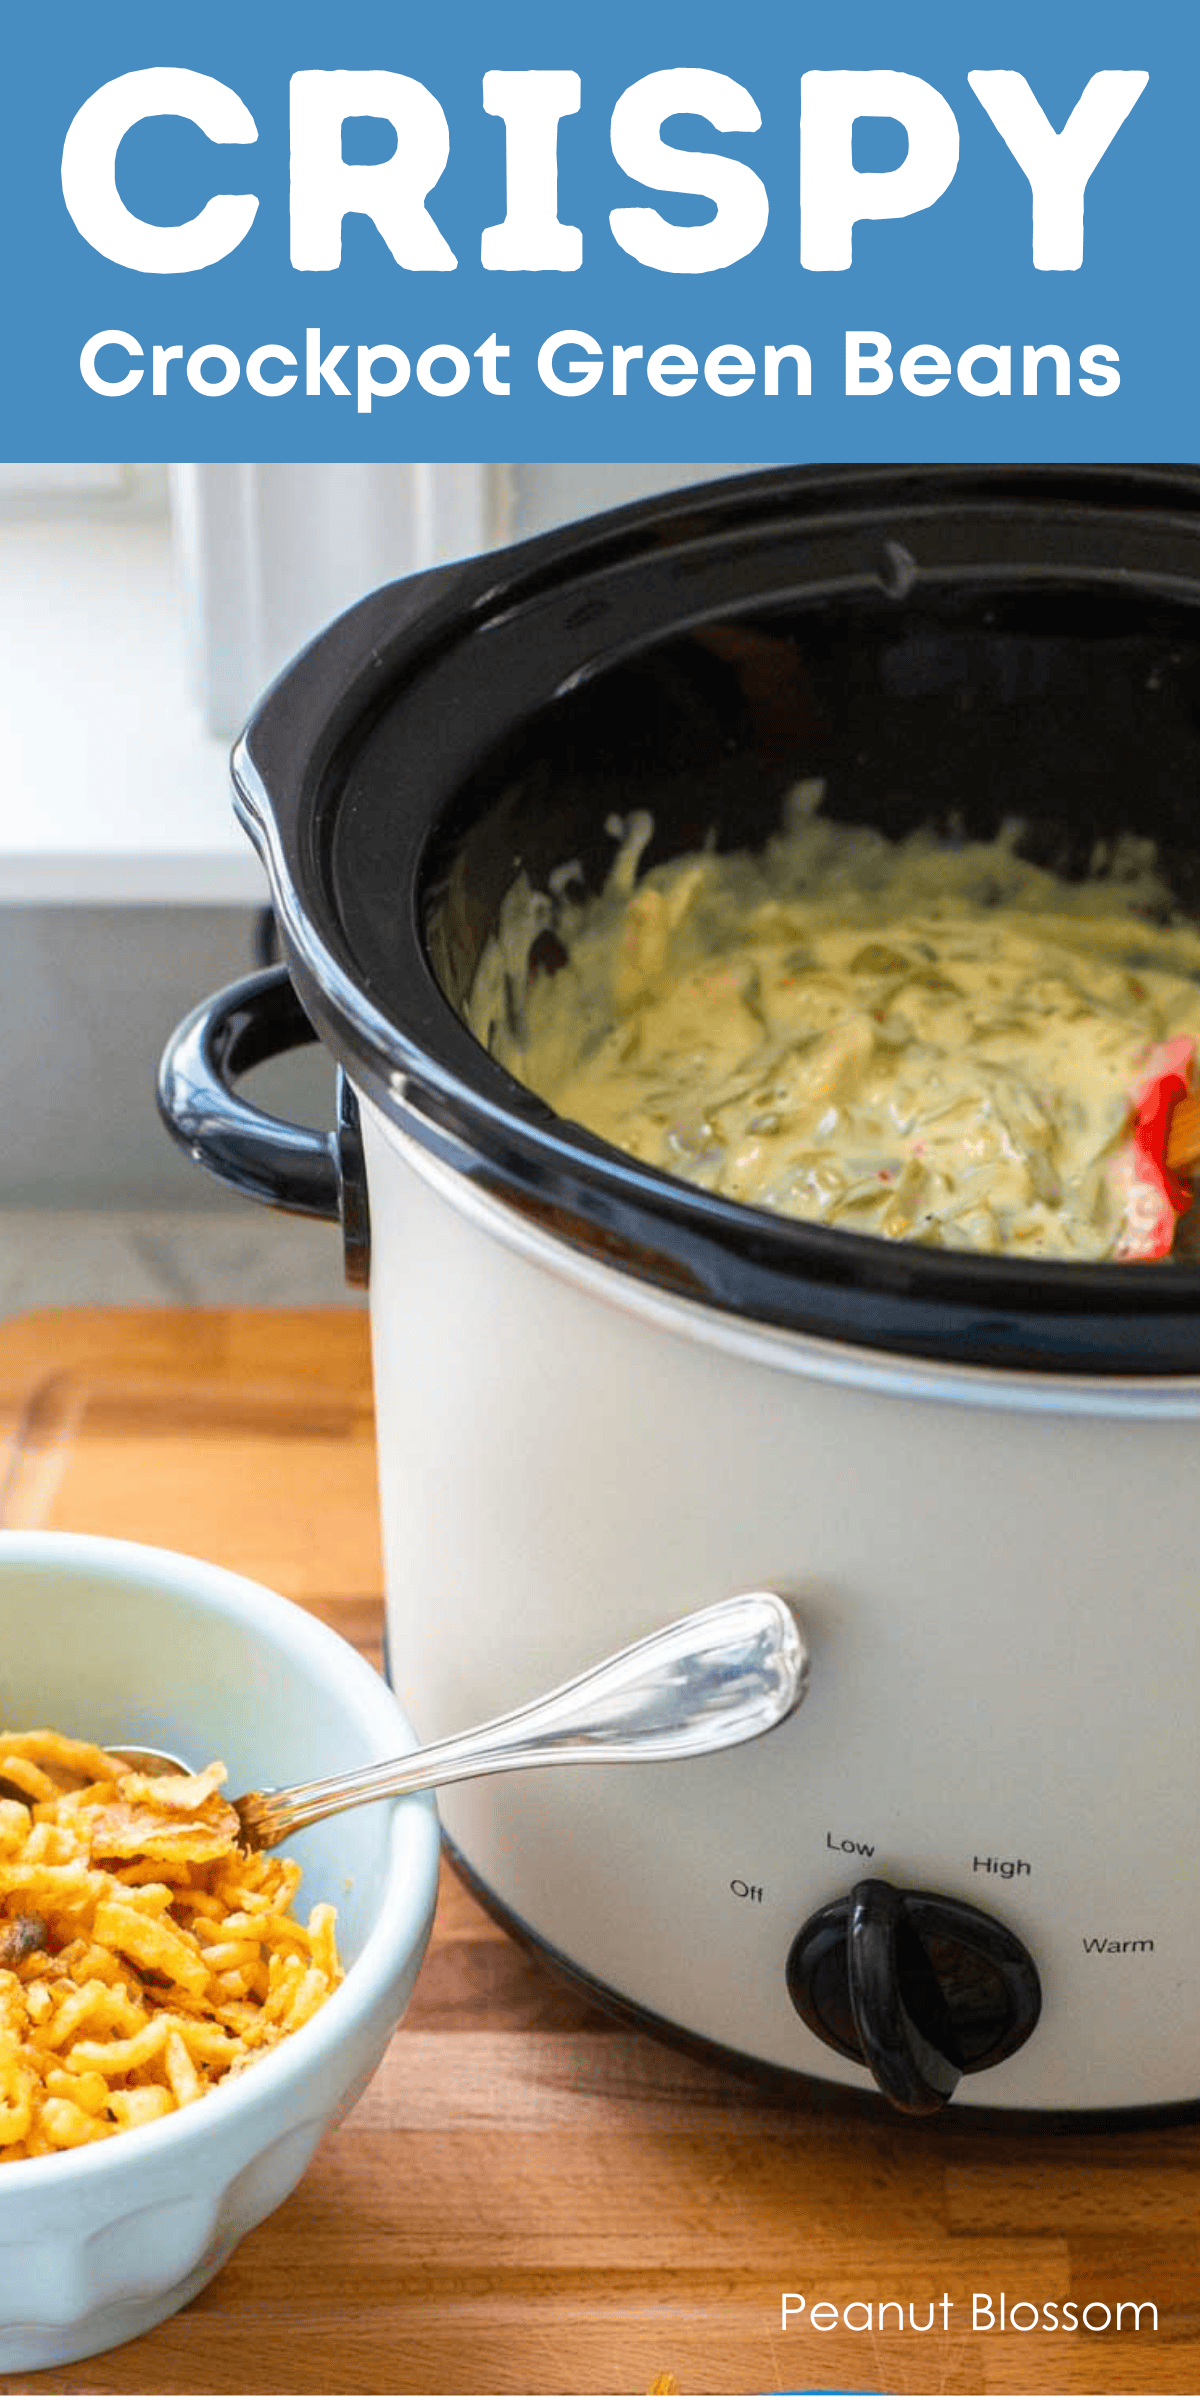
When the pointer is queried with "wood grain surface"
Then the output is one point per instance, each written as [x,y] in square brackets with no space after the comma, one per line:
[530,2198]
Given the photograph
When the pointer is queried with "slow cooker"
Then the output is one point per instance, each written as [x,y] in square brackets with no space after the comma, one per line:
[970,1862]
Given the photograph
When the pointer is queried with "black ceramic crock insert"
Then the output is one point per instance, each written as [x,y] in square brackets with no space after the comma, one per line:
[955,646]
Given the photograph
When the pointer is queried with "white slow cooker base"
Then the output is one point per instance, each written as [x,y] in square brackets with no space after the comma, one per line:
[993,1576]
[787,2082]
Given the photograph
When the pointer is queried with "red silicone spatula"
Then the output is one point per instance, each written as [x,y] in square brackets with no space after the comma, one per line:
[1165,1146]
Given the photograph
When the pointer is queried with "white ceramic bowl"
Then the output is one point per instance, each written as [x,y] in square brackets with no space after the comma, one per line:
[109,1639]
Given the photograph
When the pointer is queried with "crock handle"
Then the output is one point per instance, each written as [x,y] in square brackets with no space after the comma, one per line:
[293,1167]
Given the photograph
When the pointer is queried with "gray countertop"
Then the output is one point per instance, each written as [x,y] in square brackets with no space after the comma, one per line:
[137,1258]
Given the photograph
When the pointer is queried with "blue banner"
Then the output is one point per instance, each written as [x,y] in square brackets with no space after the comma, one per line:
[677,231]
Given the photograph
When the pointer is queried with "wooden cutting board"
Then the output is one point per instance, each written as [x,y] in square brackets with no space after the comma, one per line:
[529,2198]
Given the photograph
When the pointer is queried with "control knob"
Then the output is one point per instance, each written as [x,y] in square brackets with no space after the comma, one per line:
[920,1988]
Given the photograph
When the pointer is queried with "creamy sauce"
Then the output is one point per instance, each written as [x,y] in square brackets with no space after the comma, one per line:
[927,1043]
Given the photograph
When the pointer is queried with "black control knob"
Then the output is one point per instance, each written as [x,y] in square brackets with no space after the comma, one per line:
[917,1987]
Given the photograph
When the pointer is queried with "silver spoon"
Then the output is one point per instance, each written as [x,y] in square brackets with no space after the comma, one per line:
[718,1677]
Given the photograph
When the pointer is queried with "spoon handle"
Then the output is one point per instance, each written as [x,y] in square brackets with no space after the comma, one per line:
[712,1679]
